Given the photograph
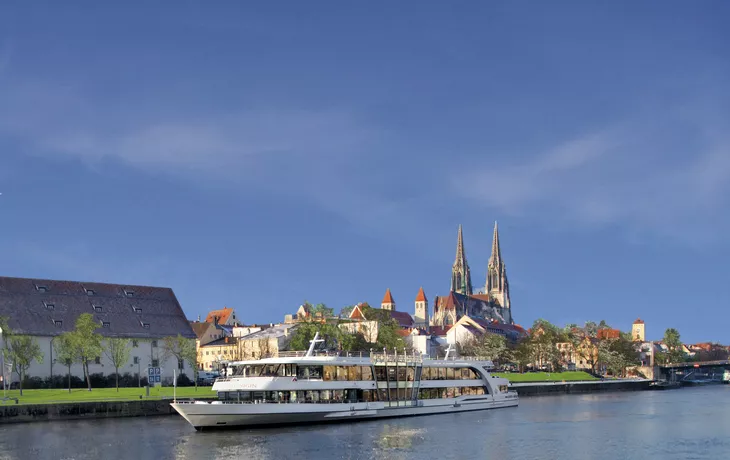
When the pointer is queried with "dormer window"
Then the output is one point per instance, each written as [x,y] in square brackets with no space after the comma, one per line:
[41,288]
[128,293]
[58,323]
[105,324]
[146,325]
[138,310]
[89,292]
[97,309]
[49,306]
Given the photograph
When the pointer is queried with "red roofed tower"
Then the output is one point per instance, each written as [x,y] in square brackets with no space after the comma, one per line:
[388,303]
[421,316]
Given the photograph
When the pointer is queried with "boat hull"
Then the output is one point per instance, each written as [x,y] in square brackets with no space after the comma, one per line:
[202,415]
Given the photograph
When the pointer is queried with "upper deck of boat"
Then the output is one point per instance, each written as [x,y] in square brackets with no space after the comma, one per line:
[364,359]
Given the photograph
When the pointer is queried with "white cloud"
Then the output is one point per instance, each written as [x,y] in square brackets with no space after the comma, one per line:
[665,177]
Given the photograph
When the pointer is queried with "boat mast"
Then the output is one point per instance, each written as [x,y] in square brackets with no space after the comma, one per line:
[312,343]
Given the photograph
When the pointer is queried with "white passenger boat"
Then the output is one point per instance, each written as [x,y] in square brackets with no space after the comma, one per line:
[301,388]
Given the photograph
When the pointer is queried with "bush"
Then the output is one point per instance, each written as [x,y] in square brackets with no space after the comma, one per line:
[184,381]
[32,383]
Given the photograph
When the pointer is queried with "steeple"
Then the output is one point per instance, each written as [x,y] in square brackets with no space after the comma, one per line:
[496,257]
[460,274]
[388,303]
[497,285]
[421,311]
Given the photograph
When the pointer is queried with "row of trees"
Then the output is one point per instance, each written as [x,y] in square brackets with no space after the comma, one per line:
[540,349]
[336,337]
[82,346]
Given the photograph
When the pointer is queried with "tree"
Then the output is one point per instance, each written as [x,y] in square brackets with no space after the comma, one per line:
[674,345]
[323,311]
[7,334]
[591,328]
[24,350]
[86,343]
[523,354]
[490,346]
[346,311]
[65,352]
[182,349]
[117,350]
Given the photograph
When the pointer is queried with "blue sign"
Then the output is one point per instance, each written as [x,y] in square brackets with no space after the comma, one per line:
[157,378]
[153,371]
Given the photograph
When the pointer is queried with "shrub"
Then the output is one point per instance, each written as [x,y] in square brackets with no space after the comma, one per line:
[184,381]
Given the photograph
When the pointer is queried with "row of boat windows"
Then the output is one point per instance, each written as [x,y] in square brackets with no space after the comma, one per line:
[350,395]
[355,373]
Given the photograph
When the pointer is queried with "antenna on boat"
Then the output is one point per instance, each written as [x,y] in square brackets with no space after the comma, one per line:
[448,351]
[312,343]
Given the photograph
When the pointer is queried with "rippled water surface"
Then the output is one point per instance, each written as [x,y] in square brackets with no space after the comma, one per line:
[676,424]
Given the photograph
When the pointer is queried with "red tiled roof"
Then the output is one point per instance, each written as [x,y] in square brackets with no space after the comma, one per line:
[485,297]
[403,332]
[639,321]
[421,297]
[608,334]
[220,315]
[388,298]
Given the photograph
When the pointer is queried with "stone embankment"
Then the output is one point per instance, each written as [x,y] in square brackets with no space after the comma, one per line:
[20,413]
[597,386]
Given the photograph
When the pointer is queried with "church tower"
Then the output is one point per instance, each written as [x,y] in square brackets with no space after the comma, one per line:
[421,317]
[497,285]
[460,275]
[388,303]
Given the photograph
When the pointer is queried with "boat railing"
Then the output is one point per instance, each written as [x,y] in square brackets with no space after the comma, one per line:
[333,354]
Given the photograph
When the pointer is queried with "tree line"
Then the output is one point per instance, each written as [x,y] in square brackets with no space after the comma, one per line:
[84,345]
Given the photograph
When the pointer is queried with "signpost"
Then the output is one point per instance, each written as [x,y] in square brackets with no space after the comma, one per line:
[154,376]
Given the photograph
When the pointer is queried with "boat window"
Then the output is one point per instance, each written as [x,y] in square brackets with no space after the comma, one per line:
[410,374]
[309,372]
[402,374]
[391,374]
[330,372]
[380,373]
[342,373]
[367,372]
[450,373]
[338,395]
[441,373]
[353,373]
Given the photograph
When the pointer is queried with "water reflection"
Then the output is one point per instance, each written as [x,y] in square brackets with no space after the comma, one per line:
[677,424]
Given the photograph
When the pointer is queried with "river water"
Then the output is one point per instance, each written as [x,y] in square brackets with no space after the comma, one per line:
[691,423]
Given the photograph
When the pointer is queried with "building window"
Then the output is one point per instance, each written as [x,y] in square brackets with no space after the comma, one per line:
[154,344]
[135,343]
[97,360]
[49,306]
[136,360]
[89,292]
[97,309]
[180,364]
[146,325]
[137,310]
[58,323]
[105,324]
[40,288]
[155,363]
[129,293]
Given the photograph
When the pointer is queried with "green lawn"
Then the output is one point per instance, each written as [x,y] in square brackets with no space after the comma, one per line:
[104,394]
[546,377]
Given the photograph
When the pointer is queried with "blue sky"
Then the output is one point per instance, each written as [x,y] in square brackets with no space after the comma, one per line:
[258,156]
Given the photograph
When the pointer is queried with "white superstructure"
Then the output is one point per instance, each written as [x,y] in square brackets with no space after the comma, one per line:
[307,388]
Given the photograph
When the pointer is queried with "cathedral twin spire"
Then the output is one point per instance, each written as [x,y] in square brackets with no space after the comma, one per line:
[496,285]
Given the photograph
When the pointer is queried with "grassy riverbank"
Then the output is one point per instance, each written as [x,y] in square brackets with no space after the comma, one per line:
[573,376]
[104,394]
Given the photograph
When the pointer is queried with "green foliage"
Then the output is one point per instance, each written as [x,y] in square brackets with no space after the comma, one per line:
[674,343]
[117,350]
[65,352]
[346,311]
[85,342]
[23,350]
[181,349]
[490,346]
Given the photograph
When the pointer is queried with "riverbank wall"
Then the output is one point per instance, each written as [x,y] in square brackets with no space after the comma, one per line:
[598,386]
[24,413]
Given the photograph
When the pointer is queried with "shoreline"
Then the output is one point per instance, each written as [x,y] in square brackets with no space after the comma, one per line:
[29,413]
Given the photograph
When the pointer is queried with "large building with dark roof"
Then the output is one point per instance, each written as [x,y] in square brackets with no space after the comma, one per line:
[47,308]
